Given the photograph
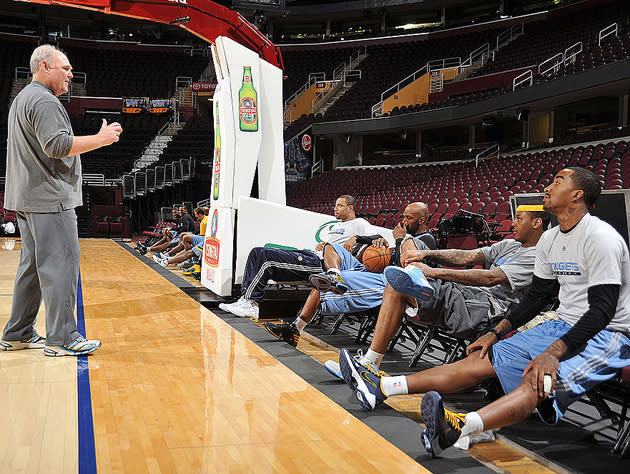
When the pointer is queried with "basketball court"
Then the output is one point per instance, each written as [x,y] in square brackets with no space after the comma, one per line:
[177,387]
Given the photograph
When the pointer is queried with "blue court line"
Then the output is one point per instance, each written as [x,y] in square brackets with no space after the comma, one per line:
[87,450]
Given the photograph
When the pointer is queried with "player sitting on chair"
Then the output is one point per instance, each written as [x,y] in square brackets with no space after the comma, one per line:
[264,264]
[464,299]
[364,289]
[585,262]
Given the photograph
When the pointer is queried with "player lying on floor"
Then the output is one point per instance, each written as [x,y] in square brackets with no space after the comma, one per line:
[585,262]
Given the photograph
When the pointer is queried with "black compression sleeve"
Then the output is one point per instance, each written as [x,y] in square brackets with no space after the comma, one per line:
[540,294]
[367,239]
[602,304]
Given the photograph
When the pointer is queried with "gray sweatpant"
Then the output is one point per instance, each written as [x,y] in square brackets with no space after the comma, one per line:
[49,268]
[458,309]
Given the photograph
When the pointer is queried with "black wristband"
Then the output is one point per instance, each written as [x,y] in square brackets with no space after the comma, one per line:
[494,331]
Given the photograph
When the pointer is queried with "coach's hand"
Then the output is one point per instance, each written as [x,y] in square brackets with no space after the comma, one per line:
[109,134]
[482,344]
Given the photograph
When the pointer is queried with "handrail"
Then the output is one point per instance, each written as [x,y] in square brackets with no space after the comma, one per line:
[22,72]
[93,179]
[128,186]
[351,73]
[183,81]
[509,34]
[571,52]
[487,153]
[396,87]
[523,78]
[444,63]
[556,59]
[313,77]
[339,70]
[377,109]
[606,32]
[79,77]
[479,52]
[321,95]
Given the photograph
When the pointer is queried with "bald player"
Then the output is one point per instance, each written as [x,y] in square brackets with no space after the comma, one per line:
[463,298]
[363,290]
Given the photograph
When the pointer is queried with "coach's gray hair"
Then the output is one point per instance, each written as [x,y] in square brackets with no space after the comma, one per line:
[44,52]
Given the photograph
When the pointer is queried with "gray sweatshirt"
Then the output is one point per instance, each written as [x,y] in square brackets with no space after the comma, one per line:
[41,177]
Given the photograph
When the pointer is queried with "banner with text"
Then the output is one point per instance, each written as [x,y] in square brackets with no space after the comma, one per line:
[216,264]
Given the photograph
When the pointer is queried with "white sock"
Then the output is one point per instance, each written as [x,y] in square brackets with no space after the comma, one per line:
[474,424]
[334,270]
[300,324]
[394,385]
[374,357]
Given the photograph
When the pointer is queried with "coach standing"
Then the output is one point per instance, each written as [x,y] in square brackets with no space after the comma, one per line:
[44,186]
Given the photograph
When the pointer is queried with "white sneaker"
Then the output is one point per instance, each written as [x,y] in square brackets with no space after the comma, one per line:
[163,262]
[246,310]
[79,346]
[228,306]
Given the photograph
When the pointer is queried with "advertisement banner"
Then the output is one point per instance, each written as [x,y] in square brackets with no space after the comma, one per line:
[264,223]
[248,116]
[204,86]
[298,158]
[216,263]
[223,155]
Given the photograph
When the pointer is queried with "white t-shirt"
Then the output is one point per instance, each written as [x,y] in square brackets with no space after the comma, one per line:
[342,231]
[592,253]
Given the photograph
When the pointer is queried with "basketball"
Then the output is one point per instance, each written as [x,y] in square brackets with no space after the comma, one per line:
[375,259]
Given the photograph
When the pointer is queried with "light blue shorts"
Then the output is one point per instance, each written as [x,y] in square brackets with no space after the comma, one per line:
[365,291]
[600,360]
[348,261]
[197,240]
[198,249]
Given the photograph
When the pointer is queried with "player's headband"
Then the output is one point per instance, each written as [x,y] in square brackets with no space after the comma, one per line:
[530,208]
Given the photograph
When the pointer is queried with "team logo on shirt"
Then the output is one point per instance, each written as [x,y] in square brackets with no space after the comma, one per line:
[565,268]
[502,261]
[324,230]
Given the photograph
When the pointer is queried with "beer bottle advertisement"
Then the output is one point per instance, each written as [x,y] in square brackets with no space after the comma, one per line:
[217,155]
[248,103]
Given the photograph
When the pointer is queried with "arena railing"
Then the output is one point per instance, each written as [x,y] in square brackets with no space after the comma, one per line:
[606,32]
[177,172]
[492,150]
[510,34]
[128,187]
[139,183]
[93,179]
[527,76]
[313,77]
[159,177]
[150,180]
